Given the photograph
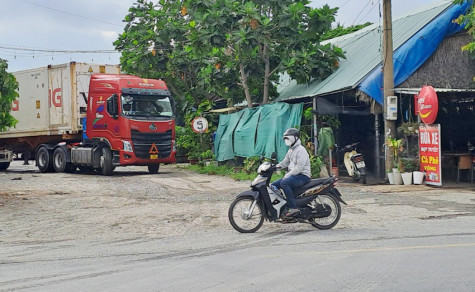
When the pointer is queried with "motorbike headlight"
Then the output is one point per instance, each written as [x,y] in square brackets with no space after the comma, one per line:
[127,146]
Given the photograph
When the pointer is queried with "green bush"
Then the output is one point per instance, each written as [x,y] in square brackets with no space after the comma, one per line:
[408,164]
[316,163]
[208,154]
[251,164]
[236,173]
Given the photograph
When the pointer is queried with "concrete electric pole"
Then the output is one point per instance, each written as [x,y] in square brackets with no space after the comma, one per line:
[388,73]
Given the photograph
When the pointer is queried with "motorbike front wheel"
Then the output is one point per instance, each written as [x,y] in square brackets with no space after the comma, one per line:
[244,217]
[329,204]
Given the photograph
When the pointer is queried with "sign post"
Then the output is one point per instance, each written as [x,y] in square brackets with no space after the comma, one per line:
[200,126]
[429,143]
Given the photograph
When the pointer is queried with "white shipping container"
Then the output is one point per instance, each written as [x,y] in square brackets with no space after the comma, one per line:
[52,99]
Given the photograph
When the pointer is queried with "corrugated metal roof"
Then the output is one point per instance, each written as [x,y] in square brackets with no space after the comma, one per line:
[363,51]
[417,90]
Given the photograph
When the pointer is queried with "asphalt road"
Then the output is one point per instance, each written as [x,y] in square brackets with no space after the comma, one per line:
[387,240]
[434,259]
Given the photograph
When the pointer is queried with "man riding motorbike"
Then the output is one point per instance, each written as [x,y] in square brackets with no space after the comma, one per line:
[298,163]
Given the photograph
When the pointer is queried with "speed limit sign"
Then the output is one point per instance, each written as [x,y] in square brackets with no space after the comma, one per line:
[199,125]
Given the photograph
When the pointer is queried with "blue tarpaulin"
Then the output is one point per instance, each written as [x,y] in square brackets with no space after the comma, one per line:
[413,53]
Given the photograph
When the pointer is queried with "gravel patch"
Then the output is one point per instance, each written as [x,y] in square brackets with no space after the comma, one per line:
[132,204]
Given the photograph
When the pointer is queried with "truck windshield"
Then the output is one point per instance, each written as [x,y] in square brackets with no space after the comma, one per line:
[146,106]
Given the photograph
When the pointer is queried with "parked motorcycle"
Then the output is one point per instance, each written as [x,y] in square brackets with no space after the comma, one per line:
[354,162]
[319,201]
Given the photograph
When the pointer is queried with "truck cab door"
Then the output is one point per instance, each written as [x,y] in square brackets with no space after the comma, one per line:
[112,110]
[102,116]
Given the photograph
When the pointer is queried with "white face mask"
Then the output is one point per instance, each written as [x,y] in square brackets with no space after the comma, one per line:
[289,140]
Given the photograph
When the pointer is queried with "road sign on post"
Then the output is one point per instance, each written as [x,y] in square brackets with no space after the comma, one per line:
[199,125]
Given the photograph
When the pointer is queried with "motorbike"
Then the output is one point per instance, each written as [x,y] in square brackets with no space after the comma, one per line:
[318,200]
[354,162]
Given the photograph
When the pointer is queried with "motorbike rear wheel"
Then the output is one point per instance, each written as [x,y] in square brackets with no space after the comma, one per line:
[329,203]
[363,179]
[242,218]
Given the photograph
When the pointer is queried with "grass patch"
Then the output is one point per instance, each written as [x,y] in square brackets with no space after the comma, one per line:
[236,173]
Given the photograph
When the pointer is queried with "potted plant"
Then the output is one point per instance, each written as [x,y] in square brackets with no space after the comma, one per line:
[390,177]
[395,146]
[397,176]
[407,166]
[316,165]
[409,128]
[417,174]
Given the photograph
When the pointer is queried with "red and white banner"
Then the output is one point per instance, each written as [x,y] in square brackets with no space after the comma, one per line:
[429,149]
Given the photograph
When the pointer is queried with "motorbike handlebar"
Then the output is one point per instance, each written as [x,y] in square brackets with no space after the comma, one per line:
[348,147]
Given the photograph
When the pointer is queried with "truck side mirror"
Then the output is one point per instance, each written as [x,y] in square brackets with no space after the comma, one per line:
[113,106]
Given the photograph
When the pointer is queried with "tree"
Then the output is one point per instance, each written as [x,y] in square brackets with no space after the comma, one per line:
[8,94]
[224,48]
[469,21]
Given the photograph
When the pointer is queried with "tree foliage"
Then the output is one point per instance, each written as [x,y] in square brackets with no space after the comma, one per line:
[339,30]
[469,21]
[213,49]
[8,94]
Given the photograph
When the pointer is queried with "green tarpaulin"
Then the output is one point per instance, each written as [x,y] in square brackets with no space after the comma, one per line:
[224,136]
[326,140]
[256,131]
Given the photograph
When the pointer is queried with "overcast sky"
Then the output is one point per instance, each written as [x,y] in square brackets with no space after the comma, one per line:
[90,25]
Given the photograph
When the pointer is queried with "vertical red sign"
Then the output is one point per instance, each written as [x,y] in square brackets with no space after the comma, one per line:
[429,149]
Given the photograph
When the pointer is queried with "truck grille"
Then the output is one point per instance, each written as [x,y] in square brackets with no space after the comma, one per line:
[143,142]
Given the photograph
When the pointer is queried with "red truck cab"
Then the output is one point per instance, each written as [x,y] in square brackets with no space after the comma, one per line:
[132,116]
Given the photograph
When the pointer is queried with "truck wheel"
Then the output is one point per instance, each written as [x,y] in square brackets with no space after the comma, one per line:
[44,160]
[4,165]
[59,160]
[106,162]
[153,168]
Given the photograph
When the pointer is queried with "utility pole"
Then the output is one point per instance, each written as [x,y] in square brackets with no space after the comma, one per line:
[388,73]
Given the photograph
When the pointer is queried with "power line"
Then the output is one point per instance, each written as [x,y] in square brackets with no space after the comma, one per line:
[345,3]
[72,14]
[361,12]
[369,11]
[55,51]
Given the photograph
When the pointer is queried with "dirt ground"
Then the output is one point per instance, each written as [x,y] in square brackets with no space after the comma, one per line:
[37,207]
[131,203]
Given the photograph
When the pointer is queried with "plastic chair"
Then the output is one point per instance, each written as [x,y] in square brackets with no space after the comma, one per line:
[465,163]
